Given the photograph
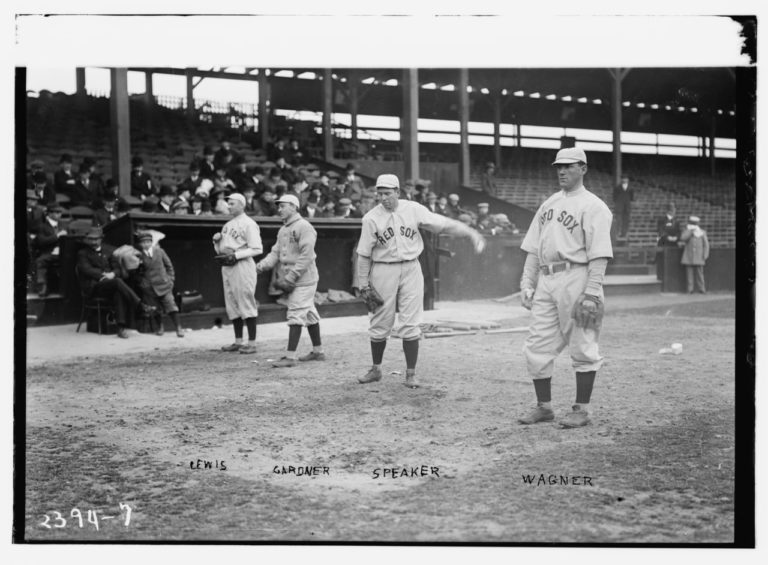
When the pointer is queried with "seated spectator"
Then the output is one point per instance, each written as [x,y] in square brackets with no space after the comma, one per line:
[180,207]
[167,196]
[36,166]
[206,208]
[257,180]
[421,190]
[483,219]
[250,201]
[122,208]
[300,188]
[81,194]
[150,205]
[367,202]
[194,179]
[97,183]
[103,212]
[205,189]
[345,209]
[310,209]
[294,154]
[500,224]
[222,181]
[442,205]
[240,175]
[431,203]
[488,182]
[275,181]
[276,150]
[329,209]
[196,204]
[109,191]
[407,191]
[219,202]
[46,246]
[35,212]
[141,183]
[465,218]
[265,204]
[98,279]
[207,166]
[224,156]
[322,185]
[453,206]
[286,171]
[64,179]
[157,281]
[45,192]
[353,184]
[182,193]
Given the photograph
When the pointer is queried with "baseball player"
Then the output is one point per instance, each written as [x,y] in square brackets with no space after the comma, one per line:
[388,253]
[236,245]
[294,257]
[568,246]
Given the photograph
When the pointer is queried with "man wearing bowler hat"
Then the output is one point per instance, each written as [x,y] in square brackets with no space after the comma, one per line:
[47,246]
[568,245]
[99,279]
[238,242]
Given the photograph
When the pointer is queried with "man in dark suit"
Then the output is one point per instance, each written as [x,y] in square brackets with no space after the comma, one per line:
[668,228]
[207,166]
[96,182]
[98,279]
[141,183]
[623,196]
[240,175]
[194,179]
[64,179]
[167,196]
[82,193]
[44,191]
[46,244]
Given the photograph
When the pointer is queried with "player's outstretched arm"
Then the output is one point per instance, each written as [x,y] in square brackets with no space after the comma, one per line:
[455,227]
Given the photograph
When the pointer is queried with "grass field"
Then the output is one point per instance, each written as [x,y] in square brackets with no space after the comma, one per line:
[659,455]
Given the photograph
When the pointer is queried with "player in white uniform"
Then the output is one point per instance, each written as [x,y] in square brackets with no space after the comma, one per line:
[568,246]
[240,237]
[294,256]
[388,253]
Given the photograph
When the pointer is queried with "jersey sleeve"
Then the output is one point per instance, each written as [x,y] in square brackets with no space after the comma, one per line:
[253,238]
[367,237]
[597,231]
[531,240]
[429,220]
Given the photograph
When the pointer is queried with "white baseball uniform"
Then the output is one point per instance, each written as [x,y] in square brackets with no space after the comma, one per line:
[393,243]
[569,230]
[240,234]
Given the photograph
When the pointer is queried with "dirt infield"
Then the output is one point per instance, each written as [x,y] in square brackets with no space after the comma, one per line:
[656,465]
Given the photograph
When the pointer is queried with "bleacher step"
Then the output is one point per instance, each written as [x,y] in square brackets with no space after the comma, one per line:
[616,285]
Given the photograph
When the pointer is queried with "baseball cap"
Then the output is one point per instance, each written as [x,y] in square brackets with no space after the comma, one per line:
[694,219]
[570,155]
[141,235]
[237,196]
[388,181]
[289,198]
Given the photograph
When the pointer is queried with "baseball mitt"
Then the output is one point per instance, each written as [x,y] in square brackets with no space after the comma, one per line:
[588,312]
[372,298]
[284,285]
[226,259]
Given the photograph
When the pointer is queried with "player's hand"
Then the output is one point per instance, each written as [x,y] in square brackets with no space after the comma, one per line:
[526,298]
[216,237]
[478,241]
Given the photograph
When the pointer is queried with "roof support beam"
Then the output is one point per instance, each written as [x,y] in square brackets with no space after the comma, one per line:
[464,166]
[120,130]
[617,75]
[80,82]
[190,90]
[263,108]
[496,94]
[409,123]
[149,94]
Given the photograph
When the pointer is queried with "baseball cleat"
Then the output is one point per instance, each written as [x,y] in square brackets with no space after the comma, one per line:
[232,348]
[122,333]
[538,414]
[160,330]
[247,349]
[410,379]
[575,419]
[312,356]
[179,332]
[284,362]
[371,376]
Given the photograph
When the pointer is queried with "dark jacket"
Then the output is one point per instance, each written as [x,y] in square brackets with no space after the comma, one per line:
[92,265]
[63,182]
[158,272]
[80,194]
[142,185]
[263,208]
[47,237]
[623,197]
[102,217]
[668,230]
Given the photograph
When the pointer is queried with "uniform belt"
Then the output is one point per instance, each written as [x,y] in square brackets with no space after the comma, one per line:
[396,262]
[553,268]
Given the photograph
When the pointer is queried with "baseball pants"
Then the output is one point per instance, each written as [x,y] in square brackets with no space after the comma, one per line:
[240,289]
[301,306]
[694,277]
[553,329]
[401,285]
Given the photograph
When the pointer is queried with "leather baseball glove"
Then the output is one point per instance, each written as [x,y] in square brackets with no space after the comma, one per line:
[372,298]
[588,312]
[284,285]
[226,259]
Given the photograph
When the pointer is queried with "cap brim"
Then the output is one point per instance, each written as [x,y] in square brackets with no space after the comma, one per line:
[565,161]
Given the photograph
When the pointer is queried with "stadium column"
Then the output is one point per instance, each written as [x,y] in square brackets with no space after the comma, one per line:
[263,105]
[464,126]
[327,111]
[149,93]
[80,82]
[497,127]
[409,123]
[616,105]
[120,130]
[190,92]
[352,82]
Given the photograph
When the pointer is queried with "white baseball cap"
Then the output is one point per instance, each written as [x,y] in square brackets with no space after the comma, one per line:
[237,196]
[289,198]
[570,155]
[388,181]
